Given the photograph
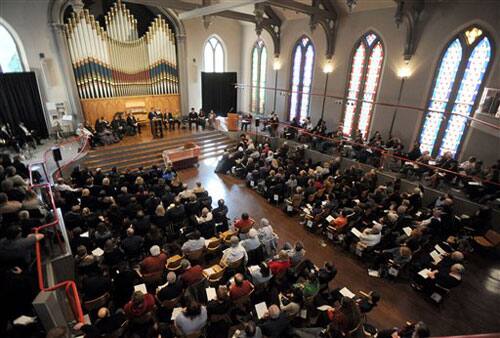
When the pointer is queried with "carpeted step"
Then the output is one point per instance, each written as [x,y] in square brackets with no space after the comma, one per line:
[151,150]
[101,152]
[145,154]
[137,159]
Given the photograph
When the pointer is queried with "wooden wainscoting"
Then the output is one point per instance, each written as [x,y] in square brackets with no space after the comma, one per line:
[107,107]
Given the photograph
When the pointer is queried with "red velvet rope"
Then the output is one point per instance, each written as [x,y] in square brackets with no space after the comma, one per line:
[384,104]
[69,286]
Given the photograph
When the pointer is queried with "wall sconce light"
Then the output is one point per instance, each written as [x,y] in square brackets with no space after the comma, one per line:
[404,72]
[276,64]
[328,67]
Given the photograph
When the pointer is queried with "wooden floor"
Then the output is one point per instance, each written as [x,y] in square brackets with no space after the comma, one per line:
[472,308]
[144,150]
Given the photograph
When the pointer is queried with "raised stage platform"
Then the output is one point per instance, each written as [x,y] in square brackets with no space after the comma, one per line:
[144,150]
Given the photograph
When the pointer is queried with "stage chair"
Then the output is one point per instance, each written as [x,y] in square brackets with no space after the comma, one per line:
[226,236]
[213,247]
[174,263]
[214,278]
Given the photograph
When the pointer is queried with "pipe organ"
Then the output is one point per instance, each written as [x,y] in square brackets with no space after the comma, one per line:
[115,61]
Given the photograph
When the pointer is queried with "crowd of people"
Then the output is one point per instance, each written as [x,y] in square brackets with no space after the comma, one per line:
[104,132]
[147,248]
[391,230]
[478,182]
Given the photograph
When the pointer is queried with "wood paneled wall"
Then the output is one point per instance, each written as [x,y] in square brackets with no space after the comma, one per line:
[108,107]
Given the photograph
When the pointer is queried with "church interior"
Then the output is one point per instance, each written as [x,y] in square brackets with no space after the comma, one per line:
[249,168]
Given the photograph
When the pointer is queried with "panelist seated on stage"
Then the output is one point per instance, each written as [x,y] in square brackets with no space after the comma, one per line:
[212,120]
[133,125]
[7,137]
[103,132]
[193,118]
[119,126]
[29,136]
[171,120]
[202,119]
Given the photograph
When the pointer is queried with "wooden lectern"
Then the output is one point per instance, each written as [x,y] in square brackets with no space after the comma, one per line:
[232,121]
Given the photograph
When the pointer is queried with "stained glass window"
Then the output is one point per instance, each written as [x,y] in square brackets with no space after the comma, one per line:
[213,56]
[363,84]
[302,73]
[458,81]
[10,60]
[441,94]
[259,63]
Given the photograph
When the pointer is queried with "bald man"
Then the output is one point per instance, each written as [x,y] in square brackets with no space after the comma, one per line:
[240,288]
[276,324]
[105,324]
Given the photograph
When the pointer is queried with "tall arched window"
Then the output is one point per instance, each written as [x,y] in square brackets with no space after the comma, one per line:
[302,72]
[213,56]
[259,62]
[10,59]
[458,80]
[366,65]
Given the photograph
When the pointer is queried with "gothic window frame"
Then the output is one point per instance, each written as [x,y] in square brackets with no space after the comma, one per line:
[18,44]
[300,86]
[258,91]
[359,101]
[213,62]
[467,50]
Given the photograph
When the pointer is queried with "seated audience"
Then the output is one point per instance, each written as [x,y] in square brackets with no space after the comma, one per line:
[192,319]
[154,263]
[241,287]
[172,289]
[234,253]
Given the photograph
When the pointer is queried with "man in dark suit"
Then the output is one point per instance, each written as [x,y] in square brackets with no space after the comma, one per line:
[171,121]
[133,124]
[172,289]
[151,117]
[193,118]
[159,124]
[276,324]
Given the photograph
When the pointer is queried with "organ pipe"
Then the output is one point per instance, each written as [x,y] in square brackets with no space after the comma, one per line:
[114,61]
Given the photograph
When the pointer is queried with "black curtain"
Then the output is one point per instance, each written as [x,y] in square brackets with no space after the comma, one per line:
[20,102]
[218,92]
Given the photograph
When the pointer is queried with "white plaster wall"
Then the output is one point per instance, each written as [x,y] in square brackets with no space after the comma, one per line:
[439,24]
[229,32]
[29,19]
